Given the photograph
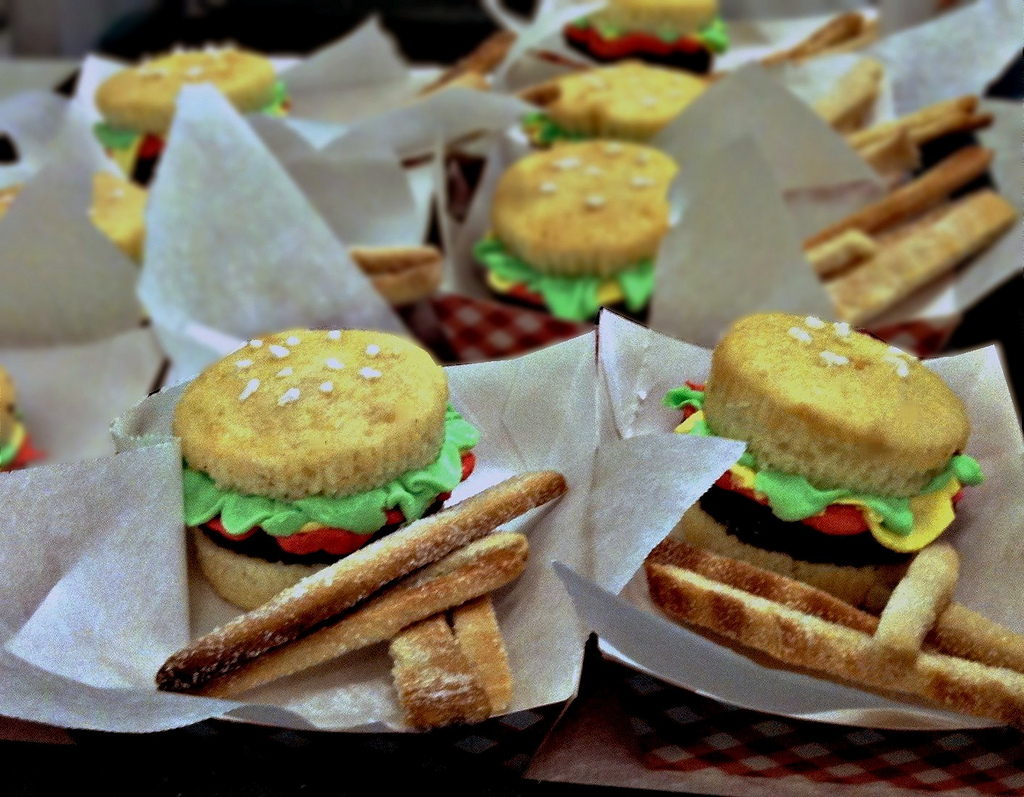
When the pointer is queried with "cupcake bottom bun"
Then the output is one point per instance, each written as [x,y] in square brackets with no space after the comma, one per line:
[305,445]
[854,458]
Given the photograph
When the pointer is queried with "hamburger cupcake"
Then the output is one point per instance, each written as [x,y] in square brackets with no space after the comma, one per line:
[630,101]
[16,449]
[686,34]
[303,446]
[577,227]
[138,104]
[854,456]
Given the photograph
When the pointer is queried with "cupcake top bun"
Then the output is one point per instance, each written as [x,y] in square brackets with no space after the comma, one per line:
[119,211]
[590,207]
[630,100]
[314,412]
[7,197]
[840,408]
[144,97]
[655,16]
[8,407]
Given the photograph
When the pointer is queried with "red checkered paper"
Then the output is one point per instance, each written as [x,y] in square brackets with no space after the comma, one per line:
[681,731]
[476,330]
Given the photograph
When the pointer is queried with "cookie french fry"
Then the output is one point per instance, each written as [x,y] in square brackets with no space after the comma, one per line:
[840,252]
[479,637]
[436,684]
[913,198]
[835,32]
[469,572]
[920,253]
[969,635]
[895,153]
[452,671]
[744,576]
[401,274]
[848,105]
[923,594]
[925,124]
[483,60]
[802,640]
[958,631]
[359,575]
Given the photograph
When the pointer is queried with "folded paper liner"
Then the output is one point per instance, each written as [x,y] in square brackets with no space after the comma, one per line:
[53,676]
[633,630]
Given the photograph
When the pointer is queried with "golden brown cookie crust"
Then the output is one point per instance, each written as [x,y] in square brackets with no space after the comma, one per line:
[144,97]
[314,412]
[842,409]
[630,100]
[589,207]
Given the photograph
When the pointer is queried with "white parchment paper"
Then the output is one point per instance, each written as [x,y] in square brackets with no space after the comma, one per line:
[61,279]
[275,264]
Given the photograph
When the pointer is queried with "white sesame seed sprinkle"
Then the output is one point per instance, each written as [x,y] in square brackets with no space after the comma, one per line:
[567,163]
[548,187]
[899,352]
[902,367]
[250,388]
[595,201]
[279,351]
[334,334]
[642,158]
[326,387]
[641,182]
[243,363]
[613,149]
[290,395]
[801,335]
[194,71]
[814,322]
[255,343]
[831,358]
[369,373]
[293,341]
[117,193]
[842,329]
[373,350]
[594,171]
[334,363]
[285,372]
[649,101]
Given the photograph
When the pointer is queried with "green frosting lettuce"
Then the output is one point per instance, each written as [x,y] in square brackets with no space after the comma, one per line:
[8,451]
[115,138]
[568,298]
[792,497]
[545,131]
[278,104]
[363,513]
[714,35]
